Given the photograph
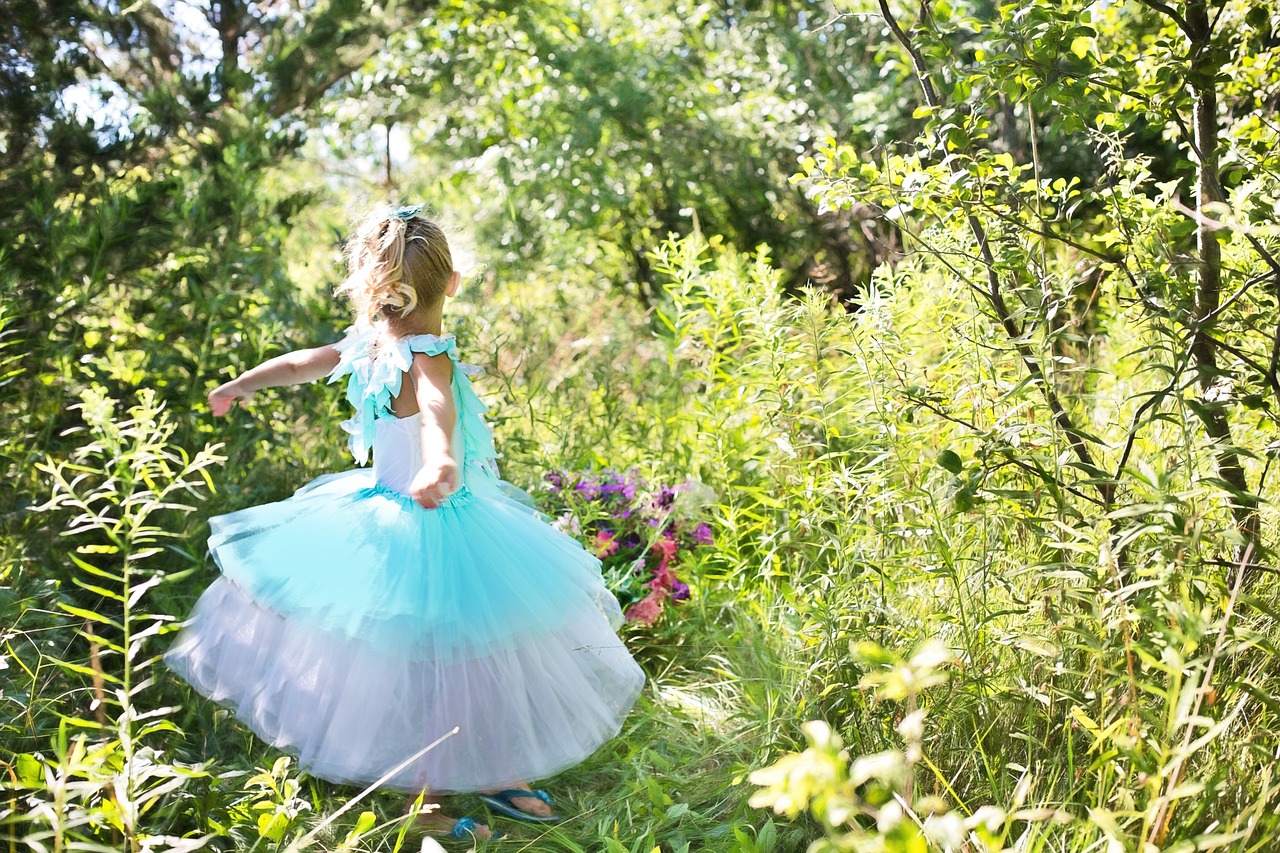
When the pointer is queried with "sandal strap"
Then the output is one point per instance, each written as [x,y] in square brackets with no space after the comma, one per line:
[463,828]
[511,793]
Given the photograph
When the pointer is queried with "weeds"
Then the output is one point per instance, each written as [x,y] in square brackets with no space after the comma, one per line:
[1097,680]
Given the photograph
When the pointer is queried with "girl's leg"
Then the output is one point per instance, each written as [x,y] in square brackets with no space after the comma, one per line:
[435,822]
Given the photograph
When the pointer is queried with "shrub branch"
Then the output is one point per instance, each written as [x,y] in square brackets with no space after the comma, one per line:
[994,292]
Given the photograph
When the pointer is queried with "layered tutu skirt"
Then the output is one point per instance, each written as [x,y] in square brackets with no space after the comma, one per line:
[352,628]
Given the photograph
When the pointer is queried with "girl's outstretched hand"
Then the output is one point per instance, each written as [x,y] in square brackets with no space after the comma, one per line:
[222,398]
[435,481]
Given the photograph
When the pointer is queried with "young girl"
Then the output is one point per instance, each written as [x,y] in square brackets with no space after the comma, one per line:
[375,610]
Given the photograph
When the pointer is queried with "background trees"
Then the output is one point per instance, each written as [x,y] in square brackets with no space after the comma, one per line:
[969,321]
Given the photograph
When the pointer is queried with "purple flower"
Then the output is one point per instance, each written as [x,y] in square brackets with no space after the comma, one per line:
[588,490]
[617,484]
[633,482]
[556,479]
[679,591]
[666,497]
[702,534]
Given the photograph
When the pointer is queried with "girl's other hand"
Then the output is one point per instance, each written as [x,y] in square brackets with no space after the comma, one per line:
[435,481]
[222,398]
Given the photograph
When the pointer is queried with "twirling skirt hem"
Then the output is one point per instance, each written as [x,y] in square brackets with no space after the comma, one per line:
[201,657]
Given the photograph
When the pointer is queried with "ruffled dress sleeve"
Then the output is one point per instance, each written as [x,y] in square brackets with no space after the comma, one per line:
[374,379]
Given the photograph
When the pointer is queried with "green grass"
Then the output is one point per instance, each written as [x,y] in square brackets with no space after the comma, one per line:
[882,479]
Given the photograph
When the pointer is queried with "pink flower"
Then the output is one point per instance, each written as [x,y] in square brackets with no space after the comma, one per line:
[663,578]
[605,544]
[647,610]
[666,548]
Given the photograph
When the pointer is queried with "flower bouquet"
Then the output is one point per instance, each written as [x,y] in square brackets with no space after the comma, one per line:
[640,533]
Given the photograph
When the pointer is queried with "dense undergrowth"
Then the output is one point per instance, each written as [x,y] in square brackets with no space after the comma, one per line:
[1085,695]
[992,562]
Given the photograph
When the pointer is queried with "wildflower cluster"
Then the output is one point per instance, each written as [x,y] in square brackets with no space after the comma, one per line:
[639,532]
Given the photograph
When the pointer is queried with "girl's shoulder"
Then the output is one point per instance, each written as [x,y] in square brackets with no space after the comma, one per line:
[370,354]
[375,365]
[365,343]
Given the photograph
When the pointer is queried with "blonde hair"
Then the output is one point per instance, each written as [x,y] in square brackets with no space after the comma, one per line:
[396,261]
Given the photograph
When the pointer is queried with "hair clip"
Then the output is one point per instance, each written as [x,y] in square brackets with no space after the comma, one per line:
[407,213]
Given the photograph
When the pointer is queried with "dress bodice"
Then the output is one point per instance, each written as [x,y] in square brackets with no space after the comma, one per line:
[397,451]
[375,376]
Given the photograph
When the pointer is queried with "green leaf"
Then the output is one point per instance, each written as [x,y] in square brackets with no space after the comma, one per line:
[272,826]
[1081,46]
[951,461]
[90,615]
[30,769]
[365,822]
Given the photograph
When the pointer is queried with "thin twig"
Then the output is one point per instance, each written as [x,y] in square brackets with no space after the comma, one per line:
[1049,235]
[1171,14]
[1038,473]
[1134,425]
[1268,376]
[302,842]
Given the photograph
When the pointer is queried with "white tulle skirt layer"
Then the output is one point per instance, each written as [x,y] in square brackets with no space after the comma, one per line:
[352,710]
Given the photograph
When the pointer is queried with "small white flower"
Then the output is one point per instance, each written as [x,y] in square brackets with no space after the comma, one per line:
[567,523]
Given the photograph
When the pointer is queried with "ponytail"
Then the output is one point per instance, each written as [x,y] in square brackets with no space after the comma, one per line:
[396,261]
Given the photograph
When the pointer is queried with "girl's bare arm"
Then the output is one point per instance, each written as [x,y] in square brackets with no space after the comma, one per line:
[432,377]
[292,368]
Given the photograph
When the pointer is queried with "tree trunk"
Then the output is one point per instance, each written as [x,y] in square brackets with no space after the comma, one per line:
[1204,68]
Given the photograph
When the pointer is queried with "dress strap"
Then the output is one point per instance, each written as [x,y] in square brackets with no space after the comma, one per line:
[375,377]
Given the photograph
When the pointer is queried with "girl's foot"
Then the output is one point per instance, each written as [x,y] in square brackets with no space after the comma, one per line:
[440,826]
[530,805]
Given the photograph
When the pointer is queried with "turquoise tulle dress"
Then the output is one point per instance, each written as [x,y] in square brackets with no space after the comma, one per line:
[352,627]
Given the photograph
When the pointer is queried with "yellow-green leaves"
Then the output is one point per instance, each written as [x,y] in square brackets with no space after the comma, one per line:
[817,777]
[895,679]
[1081,46]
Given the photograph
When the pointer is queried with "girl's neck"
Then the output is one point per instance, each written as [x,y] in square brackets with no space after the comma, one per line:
[422,322]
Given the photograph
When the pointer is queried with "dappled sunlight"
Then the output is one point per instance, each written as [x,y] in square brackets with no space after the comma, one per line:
[710,707]
[900,378]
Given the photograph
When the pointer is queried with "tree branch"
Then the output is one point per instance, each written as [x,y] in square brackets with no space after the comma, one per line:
[1170,13]
[1049,235]
[994,293]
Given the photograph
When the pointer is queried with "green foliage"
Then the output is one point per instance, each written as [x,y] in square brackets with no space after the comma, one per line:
[1042,441]
[1010,229]
[119,496]
[595,130]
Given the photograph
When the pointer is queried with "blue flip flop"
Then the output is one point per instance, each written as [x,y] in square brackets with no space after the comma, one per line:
[464,829]
[501,803]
